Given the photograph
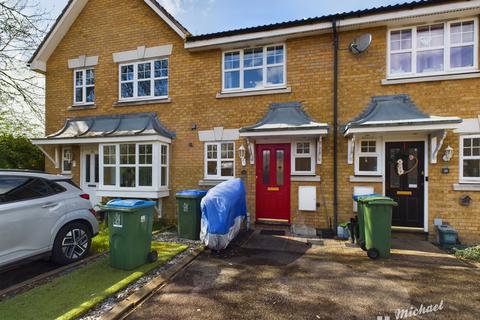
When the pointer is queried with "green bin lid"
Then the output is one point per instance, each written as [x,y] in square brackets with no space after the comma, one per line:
[380,200]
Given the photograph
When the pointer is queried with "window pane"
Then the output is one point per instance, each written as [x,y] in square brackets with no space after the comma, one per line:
[164,155]
[90,94]
[127,73]
[394,177]
[145,176]
[275,55]
[303,148]
[275,75]
[127,90]
[161,68]
[401,40]
[109,176]
[461,32]
[232,79]
[253,78]
[79,78]
[430,36]
[368,146]
[144,71]
[471,168]
[227,151]
[212,151]
[280,167]
[144,88]
[87,168]
[430,61]
[266,167]
[145,153]
[253,57]
[79,94]
[212,168]
[163,181]
[96,168]
[461,57]
[400,63]
[127,154]
[109,155]
[127,177]
[303,164]
[227,169]
[368,164]
[161,88]
[232,60]
[90,77]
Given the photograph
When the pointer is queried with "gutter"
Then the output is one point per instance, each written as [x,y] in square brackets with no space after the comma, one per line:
[335,125]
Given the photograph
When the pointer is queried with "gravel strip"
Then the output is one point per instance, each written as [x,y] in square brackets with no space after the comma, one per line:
[110,302]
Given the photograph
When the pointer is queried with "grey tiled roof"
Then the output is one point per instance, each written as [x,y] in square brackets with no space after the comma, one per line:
[133,124]
[285,116]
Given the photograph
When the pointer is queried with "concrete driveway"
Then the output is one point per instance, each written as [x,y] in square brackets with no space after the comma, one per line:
[271,277]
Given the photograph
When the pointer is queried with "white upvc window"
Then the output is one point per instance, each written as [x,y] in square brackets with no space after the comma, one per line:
[67,160]
[368,157]
[439,48]
[254,68]
[134,166]
[143,80]
[470,159]
[219,160]
[303,158]
[83,86]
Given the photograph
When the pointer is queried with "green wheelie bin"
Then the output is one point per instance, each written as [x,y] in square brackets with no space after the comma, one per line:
[378,225]
[189,213]
[361,217]
[130,227]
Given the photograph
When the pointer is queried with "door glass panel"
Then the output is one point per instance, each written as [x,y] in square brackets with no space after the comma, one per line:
[412,166]
[266,167]
[394,177]
[280,167]
[96,168]
[87,168]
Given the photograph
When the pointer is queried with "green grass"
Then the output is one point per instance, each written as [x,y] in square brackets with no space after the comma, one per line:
[469,253]
[70,296]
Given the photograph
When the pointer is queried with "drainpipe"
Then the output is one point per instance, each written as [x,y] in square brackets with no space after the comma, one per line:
[335,126]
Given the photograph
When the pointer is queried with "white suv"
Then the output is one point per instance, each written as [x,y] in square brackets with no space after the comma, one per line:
[43,215]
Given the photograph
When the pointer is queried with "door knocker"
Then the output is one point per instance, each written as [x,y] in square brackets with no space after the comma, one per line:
[401,171]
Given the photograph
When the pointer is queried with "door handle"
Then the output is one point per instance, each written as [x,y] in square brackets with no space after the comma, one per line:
[50,205]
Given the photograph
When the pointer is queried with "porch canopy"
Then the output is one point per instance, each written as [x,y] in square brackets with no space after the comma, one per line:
[106,129]
[285,119]
[399,114]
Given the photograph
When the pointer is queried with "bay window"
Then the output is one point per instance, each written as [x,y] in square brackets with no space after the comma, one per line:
[303,158]
[84,86]
[433,49]
[219,160]
[470,158]
[254,68]
[144,80]
[134,166]
[367,157]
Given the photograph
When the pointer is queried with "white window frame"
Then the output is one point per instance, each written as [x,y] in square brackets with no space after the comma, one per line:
[67,159]
[156,164]
[462,157]
[446,47]
[84,87]
[164,165]
[378,154]
[311,155]
[219,160]
[135,80]
[264,67]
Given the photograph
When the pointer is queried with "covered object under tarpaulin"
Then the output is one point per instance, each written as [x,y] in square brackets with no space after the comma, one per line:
[223,210]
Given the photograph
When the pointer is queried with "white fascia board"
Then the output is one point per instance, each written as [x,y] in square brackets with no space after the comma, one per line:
[53,141]
[165,18]
[411,128]
[342,24]
[318,132]
[39,63]
[143,52]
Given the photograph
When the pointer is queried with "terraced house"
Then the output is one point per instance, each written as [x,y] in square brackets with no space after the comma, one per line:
[307,112]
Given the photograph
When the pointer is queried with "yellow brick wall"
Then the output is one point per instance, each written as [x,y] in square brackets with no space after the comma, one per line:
[195,77]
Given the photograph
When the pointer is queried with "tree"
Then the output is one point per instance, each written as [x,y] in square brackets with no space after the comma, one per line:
[22,26]
[18,152]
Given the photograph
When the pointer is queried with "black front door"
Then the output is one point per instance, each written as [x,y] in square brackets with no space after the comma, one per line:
[405,182]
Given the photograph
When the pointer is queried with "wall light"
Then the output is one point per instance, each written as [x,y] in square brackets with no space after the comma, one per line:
[241,154]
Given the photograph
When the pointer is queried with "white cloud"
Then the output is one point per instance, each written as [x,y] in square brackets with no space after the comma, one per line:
[178,7]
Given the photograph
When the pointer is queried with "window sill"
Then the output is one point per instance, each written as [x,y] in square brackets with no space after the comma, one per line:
[210,182]
[366,179]
[466,186]
[82,107]
[311,178]
[247,93]
[141,102]
[443,77]
[133,193]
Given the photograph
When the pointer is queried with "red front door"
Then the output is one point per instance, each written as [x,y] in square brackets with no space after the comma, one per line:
[273,182]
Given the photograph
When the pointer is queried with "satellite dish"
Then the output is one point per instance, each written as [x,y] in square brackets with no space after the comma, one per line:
[360,44]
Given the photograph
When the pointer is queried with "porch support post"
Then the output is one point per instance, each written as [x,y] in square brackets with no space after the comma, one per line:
[436,142]
[251,151]
[319,150]
[56,161]
[351,149]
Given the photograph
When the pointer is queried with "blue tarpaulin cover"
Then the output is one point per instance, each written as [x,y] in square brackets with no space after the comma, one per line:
[223,210]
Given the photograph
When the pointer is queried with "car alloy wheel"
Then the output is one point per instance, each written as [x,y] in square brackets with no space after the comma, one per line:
[75,244]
